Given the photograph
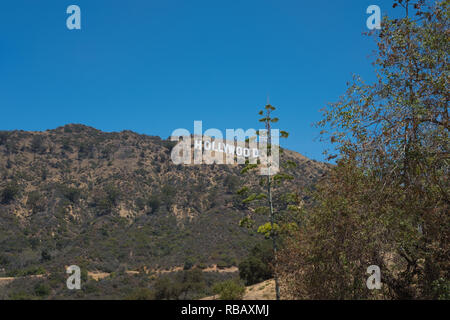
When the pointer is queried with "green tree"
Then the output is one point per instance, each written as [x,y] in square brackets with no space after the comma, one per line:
[262,196]
[229,290]
[191,283]
[386,201]
[166,289]
[257,266]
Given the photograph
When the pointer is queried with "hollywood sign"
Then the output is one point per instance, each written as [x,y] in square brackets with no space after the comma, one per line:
[239,147]
[224,147]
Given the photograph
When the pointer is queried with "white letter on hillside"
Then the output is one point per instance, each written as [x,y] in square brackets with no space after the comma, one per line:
[208,156]
[198,136]
[181,153]
[238,138]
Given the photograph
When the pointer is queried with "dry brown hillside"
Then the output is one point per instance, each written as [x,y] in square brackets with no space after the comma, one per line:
[115,201]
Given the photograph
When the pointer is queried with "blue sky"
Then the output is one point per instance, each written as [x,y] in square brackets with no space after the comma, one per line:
[155,66]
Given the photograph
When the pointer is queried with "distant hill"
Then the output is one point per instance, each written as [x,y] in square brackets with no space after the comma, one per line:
[115,201]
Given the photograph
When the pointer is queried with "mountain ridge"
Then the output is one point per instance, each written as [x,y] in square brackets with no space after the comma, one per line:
[111,200]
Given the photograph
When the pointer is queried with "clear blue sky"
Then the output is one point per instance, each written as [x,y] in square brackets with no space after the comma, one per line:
[154,66]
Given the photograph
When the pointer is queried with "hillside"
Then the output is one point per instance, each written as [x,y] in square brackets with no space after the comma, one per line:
[261,291]
[115,201]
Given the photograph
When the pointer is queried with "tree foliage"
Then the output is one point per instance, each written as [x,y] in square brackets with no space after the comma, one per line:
[264,198]
[257,267]
[9,193]
[229,290]
[386,201]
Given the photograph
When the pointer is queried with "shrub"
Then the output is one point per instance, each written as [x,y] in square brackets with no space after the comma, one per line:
[256,267]
[140,203]
[70,193]
[154,203]
[45,255]
[20,295]
[9,193]
[3,137]
[113,194]
[168,194]
[165,289]
[37,144]
[141,294]
[229,290]
[36,202]
[231,183]
[188,264]
[41,290]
